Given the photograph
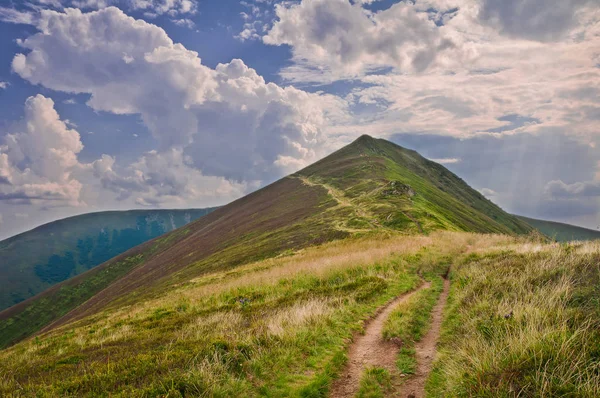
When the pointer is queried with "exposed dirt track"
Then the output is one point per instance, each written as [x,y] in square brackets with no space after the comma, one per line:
[370,350]
[426,349]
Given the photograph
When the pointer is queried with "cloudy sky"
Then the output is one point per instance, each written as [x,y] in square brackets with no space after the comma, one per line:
[118,104]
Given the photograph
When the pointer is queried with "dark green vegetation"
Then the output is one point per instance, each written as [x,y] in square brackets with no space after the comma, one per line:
[561,232]
[35,260]
[368,185]
[524,323]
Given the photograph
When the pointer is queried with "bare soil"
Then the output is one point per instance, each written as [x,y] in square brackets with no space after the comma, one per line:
[370,350]
[426,350]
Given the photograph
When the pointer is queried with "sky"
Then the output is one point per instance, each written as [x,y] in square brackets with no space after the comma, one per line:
[121,104]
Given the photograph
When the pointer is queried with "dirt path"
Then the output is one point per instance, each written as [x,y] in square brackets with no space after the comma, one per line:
[426,349]
[370,349]
[342,201]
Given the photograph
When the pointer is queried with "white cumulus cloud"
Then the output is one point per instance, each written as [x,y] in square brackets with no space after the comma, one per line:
[347,40]
[230,121]
[38,157]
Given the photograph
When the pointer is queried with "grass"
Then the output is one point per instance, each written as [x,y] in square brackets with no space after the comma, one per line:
[41,312]
[375,383]
[278,327]
[522,320]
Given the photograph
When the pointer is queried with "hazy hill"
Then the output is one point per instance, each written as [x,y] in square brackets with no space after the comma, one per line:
[35,260]
[369,185]
[562,232]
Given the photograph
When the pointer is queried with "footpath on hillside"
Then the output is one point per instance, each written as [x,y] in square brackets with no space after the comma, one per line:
[372,350]
[426,349]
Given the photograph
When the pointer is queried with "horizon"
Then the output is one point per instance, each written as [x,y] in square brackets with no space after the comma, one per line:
[126,105]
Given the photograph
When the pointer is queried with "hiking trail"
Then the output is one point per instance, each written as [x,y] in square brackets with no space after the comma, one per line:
[426,350]
[370,350]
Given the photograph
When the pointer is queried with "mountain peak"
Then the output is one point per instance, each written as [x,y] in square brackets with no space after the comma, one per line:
[368,185]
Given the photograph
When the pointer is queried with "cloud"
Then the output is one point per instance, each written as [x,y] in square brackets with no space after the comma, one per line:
[533,19]
[39,166]
[3,85]
[185,23]
[488,193]
[151,8]
[347,40]
[37,158]
[228,119]
[446,160]
[558,189]
[11,15]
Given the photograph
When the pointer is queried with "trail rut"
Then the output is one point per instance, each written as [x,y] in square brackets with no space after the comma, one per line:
[370,349]
[425,350]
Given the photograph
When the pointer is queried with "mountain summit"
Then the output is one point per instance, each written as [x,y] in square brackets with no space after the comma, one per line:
[369,185]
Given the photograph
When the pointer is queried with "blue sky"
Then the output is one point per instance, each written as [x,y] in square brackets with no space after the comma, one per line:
[118,104]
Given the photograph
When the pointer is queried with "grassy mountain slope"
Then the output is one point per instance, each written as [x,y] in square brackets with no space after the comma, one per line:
[370,185]
[522,320]
[33,261]
[561,232]
[277,327]
[399,188]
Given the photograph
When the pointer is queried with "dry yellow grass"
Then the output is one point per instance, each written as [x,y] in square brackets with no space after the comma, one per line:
[524,323]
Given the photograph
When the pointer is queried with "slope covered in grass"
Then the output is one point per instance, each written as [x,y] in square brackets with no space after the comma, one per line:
[523,320]
[366,186]
[33,261]
[276,327]
[260,225]
[562,232]
[394,187]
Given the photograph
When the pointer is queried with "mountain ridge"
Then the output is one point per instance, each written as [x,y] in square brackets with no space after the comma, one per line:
[369,185]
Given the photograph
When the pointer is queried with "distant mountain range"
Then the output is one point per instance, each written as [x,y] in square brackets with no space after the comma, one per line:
[38,259]
[560,231]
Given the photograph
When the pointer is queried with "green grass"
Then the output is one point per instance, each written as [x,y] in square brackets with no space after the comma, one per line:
[275,340]
[42,312]
[522,321]
[278,327]
[375,383]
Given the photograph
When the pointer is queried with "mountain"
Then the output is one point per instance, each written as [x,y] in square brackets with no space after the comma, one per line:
[561,232]
[369,185]
[33,261]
